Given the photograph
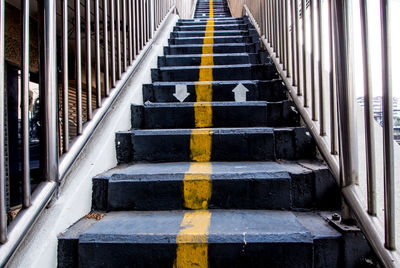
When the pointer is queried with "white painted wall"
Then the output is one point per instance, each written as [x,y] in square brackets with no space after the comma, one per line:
[40,246]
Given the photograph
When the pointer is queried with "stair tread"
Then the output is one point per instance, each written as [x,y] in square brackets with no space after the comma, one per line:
[215,104]
[157,171]
[222,82]
[226,227]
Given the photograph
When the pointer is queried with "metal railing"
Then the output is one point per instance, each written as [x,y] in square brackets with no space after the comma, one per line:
[87,50]
[292,32]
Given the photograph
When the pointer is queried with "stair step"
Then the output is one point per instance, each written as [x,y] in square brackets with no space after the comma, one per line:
[234,185]
[216,33]
[218,59]
[226,19]
[204,22]
[226,27]
[272,90]
[243,238]
[227,144]
[216,40]
[220,72]
[217,48]
[224,114]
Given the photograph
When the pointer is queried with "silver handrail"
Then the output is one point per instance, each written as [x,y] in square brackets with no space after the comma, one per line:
[283,26]
[123,34]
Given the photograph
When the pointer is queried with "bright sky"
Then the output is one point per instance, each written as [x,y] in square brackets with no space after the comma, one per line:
[374,38]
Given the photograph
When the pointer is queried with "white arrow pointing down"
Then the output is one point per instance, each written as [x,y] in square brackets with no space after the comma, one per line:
[181,92]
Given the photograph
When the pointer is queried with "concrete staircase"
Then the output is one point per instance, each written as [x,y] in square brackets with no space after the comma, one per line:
[217,170]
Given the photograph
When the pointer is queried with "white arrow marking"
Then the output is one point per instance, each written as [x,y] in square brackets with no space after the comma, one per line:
[240,93]
[181,92]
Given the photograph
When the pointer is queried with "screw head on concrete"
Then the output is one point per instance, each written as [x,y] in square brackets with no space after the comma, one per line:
[335,217]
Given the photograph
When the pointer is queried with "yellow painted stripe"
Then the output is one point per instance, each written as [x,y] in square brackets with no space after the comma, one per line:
[192,240]
[197,186]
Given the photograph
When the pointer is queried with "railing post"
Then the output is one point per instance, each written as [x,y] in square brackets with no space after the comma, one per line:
[347,127]
[49,92]
[3,218]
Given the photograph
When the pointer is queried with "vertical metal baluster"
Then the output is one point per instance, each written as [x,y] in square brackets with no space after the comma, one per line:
[147,17]
[130,32]
[368,111]
[142,23]
[151,19]
[286,18]
[332,89]
[49,93]
[347,124]
[134,31]
[113,64]
[299,80]
[282,35]
[88,62]
[304,32]
[262,18]
[65,82]
[26,185]
[276,48]
[97,51]
[293,43]
[78,67]
[387,104]
[322,129]
[3,213]
[267,36]
[314,115]
[119,62]
[124,46]
[138,35]
[105,36]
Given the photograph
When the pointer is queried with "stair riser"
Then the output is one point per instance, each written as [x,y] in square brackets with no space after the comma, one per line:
[203,23]
[197,49]
[216,33]
[223,59]
[228,193]
[227,145]
[219,255]
[220,73]
[219,20]
[218,59]
[172,116]
[252,191]
[217,40]
[264,91]
[231,27]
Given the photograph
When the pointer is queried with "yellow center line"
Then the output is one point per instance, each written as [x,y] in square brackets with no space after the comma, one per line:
[192,240]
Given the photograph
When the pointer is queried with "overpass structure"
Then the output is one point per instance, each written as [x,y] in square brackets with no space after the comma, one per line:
[184,133]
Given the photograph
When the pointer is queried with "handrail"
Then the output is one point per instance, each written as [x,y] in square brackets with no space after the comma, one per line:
[123,35]
[282,26]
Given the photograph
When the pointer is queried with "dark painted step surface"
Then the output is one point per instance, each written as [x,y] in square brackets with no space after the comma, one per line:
[272,91]
[216,22]
[220,72]
[216,33]
[226,27]
[236,239]
[224,114]
[217,48]
[218,59]
[227,144]
[235,185]
[216,40]
[223,20]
